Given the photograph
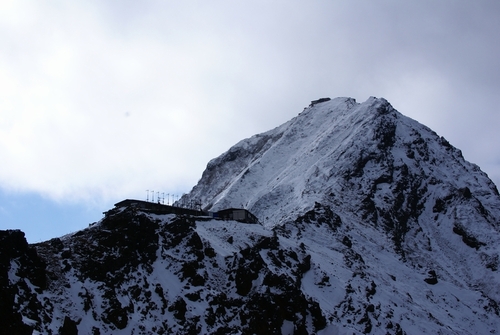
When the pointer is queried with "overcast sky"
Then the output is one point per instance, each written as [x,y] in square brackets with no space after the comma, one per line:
[103,100]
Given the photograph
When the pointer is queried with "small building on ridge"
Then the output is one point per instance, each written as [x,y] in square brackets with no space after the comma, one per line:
[237,214]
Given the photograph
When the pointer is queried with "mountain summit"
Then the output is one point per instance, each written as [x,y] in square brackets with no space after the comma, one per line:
[368,222]
[366,162]
[345,155]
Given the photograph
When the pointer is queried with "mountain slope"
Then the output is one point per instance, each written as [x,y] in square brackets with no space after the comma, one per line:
[323,152]
[373,167]
[369,223]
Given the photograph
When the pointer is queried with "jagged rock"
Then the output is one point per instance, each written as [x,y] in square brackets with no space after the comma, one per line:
[432,279]
[69,327]
[179,309]
[22,278]
[347,242]
[468,239]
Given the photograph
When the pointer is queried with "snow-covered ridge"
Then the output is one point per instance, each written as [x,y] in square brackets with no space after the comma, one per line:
[283,172]
[371,223]
[372,166]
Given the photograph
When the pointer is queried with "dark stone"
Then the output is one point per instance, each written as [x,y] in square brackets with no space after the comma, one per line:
[319,320]
[445,143]
[305,265]
[195,296]
[320,215]
[66,254]
[116,315]
[195,242]
[370,291]
[465,192]
[246,273]
[13,246]
[385,133]
[468,239]
[439,206]
[57,244]
[347,242]
[135,236]
[179,309]
[87,300]
[210,252]
[69,327]
[432,279]
[367,322]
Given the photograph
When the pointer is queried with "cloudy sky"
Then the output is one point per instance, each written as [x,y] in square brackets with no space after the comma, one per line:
[103,100]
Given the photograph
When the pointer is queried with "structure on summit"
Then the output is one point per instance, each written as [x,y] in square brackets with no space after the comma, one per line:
[315,102]
[236,214]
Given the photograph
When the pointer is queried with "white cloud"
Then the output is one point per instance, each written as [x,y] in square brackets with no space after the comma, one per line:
[104,100]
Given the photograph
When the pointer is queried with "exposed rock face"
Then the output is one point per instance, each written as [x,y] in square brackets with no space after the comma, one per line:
[376,169]
[371,223]
[137,272]
[19,263]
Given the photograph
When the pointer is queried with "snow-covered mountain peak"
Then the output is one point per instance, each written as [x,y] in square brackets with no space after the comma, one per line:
[315,156]
[373,167]
[370,223]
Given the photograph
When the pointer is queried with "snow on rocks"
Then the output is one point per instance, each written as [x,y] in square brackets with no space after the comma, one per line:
[369,223]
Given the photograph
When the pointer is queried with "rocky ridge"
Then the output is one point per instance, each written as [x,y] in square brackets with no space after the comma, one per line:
[370,223]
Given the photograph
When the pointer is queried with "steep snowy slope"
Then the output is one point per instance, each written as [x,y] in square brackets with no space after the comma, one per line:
[377,170]
[320,154]
[369,223]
